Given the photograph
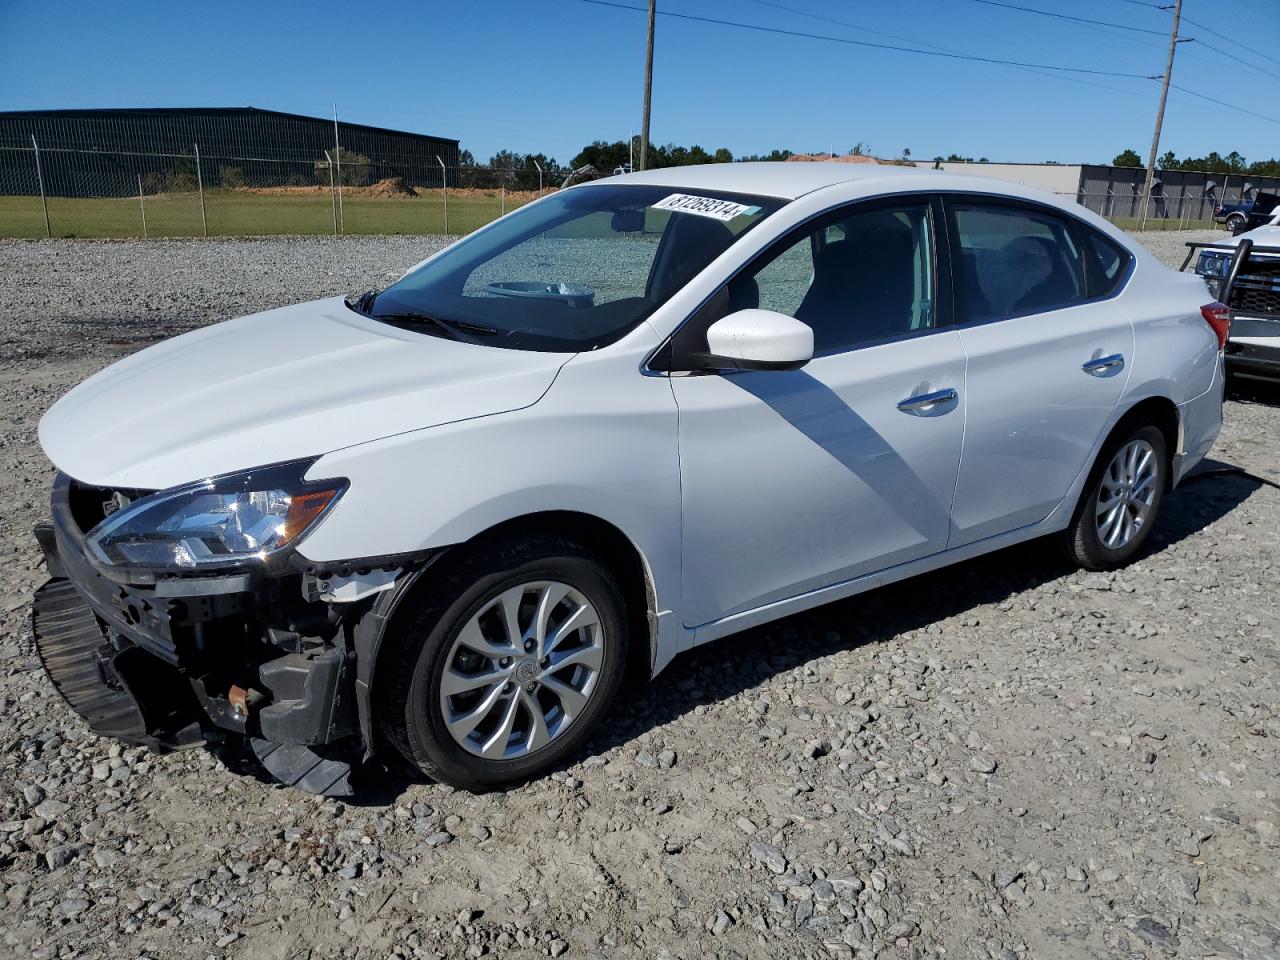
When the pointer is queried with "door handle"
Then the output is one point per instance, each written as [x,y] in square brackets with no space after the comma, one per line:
[1101,365]
[927,401]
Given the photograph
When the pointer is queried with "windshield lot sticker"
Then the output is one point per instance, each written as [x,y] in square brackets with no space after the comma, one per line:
[703,206]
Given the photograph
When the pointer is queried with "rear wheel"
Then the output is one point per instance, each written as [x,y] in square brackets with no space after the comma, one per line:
[1236,224]
[500,672]
[1122,498]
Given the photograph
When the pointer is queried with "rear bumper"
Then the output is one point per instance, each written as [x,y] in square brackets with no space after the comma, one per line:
[1254,360]
[171,663]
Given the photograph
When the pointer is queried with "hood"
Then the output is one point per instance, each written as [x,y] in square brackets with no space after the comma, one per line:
[1267,235]
[289,383]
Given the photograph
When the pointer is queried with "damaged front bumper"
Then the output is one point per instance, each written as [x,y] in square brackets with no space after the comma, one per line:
[282,656]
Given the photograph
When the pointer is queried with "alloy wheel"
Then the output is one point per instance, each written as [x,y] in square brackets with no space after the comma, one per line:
[1126,494]
[521,670]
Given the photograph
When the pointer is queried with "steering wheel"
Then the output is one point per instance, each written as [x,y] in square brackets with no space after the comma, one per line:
[574,294]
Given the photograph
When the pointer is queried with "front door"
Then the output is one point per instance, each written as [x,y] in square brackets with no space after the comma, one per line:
[793,481]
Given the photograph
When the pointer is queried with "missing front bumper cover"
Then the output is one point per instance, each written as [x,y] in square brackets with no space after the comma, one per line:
[170,661]
[173,668]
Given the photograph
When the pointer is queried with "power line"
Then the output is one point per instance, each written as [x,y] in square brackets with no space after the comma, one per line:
[868,43]
[851,26]
[1234,62]
[1223,103]
[1088,24]
[1223,36]
[927,53]
[1207,29]
[934,46]
[1063,16]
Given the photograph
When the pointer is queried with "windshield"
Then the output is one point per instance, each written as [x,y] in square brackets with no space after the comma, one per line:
[572,272]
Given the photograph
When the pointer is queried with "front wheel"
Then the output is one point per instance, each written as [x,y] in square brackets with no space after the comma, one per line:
[1121,500]
[500,672]
[1237,225]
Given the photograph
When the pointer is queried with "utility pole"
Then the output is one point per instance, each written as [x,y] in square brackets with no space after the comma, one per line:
[1164,94]
[648,87]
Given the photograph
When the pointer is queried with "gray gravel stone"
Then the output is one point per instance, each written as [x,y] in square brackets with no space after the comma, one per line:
[60,856]
[52,809]
[843,737]
[770,856]
[982,764]
[72,908]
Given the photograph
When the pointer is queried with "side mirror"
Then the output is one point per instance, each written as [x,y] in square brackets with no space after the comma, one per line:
[757,340]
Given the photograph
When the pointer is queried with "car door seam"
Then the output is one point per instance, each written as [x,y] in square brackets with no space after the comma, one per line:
[964,432]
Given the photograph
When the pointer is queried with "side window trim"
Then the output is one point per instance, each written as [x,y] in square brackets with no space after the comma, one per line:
[669,356]
[949,200]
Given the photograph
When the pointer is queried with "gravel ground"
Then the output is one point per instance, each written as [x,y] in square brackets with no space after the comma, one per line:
[1005,760]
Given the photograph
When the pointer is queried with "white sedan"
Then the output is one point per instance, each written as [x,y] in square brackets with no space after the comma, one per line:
[445,518]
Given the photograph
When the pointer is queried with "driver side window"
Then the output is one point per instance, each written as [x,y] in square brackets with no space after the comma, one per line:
[863,277]
[784,282]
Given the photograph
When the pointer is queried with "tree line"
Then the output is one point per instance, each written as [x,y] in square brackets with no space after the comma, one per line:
[520,170]
[1214,162]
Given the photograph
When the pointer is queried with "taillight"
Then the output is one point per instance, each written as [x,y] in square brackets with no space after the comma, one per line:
[1219,317]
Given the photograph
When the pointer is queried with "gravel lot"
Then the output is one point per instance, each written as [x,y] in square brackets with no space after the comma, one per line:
[1005,760]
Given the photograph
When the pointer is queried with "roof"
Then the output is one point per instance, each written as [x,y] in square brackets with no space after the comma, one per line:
[765,178]
[91,112]
[790,181]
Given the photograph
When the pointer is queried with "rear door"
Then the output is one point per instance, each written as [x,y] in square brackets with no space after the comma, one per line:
[1048,354]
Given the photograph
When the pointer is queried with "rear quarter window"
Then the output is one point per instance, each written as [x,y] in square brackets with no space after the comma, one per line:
[1107,262]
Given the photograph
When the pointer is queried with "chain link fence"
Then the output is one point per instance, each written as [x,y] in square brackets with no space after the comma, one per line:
[1128,209]
[1179,199]
[86,193]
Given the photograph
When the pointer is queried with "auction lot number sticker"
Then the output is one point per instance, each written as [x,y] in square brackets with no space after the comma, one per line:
[703,206]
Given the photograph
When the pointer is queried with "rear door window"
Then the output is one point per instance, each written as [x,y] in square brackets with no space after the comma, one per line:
[1013,262]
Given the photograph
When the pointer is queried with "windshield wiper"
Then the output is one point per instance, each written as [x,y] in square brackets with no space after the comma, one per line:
[454,329]
[363,302]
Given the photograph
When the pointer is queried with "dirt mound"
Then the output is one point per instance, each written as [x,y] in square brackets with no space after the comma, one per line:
[390,187]
[830,158]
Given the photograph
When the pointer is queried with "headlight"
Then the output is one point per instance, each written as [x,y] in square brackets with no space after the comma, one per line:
[1212,265]
[226,521]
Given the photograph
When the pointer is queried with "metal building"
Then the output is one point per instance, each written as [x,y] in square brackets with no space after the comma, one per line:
[1116,192]
[102,152]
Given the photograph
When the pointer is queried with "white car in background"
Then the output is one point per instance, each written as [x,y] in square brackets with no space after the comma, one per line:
[637,415]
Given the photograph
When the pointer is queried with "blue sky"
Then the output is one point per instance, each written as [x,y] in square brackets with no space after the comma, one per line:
[552,75]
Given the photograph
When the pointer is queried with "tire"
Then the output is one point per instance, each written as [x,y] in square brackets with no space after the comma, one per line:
[455,630]
[1237,225]
[1086,540]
